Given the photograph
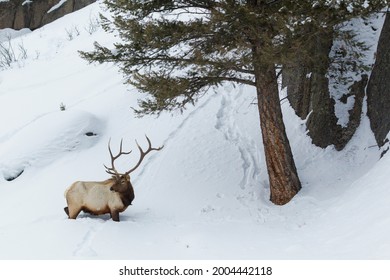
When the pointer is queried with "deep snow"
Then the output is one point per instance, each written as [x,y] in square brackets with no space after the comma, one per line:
[204,196]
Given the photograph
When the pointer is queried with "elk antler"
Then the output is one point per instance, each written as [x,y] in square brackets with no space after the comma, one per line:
[143,154]
[112,170]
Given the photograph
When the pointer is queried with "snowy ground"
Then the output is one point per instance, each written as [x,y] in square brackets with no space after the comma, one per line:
[204,196]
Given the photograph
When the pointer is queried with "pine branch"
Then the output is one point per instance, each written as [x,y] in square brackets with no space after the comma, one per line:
[176,50]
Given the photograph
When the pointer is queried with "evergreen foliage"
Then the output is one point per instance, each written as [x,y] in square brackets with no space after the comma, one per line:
[176,50]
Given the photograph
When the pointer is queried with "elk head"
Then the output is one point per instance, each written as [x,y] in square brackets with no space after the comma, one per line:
[122,182]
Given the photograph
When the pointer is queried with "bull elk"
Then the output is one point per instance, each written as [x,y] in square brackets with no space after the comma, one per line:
[111,196]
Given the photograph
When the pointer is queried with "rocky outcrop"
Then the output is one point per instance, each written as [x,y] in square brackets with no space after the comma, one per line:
[308,92]
[357,90]
[32,14]
[322,122]
[7,14]
[378,89]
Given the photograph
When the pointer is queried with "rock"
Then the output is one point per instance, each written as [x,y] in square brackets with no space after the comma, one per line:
[19,14]
[378,88]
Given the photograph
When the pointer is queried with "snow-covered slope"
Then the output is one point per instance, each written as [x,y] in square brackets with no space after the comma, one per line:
[204,196]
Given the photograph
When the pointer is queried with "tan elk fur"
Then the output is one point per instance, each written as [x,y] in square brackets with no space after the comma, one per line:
[99,198]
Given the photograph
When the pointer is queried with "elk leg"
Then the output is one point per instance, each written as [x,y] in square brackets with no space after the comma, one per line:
[73,213]
[66,209]
[115,216]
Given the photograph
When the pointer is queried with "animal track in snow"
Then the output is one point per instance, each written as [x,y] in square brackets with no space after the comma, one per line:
[227,124]
[84,247]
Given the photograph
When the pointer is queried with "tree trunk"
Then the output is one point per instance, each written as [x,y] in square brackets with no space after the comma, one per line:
[297,78]
[283,177]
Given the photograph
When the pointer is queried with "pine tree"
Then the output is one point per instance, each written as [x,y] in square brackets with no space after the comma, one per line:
[176,50]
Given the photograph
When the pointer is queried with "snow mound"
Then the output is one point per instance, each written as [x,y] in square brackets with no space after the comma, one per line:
[43,140]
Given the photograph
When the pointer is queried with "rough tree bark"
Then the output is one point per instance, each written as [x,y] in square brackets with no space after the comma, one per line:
[297,76]
[283,176]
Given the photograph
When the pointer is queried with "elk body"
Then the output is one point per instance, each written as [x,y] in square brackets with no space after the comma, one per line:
[111,196]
